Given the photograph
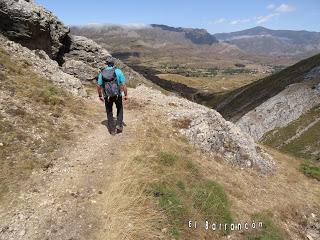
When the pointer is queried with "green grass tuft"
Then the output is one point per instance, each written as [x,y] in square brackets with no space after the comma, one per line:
[210,198]
[181,185]
[310,170]
[169,200]
[171,203]
[167,159]
[50,95]
[269,230]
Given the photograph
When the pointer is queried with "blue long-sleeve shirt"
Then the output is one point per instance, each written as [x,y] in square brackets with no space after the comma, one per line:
[120,76]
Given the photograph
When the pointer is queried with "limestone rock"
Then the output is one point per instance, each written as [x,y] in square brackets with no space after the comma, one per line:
[281,109]
[84,59]
[208,130]
[216,135]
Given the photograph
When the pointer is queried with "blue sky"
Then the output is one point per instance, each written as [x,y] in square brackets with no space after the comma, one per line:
[215,16]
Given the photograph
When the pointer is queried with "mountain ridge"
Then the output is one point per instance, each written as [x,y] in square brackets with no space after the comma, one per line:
[254,41]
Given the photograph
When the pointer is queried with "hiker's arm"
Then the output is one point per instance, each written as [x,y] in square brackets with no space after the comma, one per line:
[122,81]
[99,88]
[125,91]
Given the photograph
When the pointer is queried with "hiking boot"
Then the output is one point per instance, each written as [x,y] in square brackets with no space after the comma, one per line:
[119,129]
[113,133]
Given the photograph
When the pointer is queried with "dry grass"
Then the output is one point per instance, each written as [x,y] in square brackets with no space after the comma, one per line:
[159,156]
[286,195]
[130,213]
[167,182]
[37,118]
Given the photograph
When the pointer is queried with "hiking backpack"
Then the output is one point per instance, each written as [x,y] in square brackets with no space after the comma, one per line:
[110,83]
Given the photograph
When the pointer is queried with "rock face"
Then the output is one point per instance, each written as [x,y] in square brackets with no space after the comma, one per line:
[43,65]
[34,27]
[283,108]
[208,130]
[84,59]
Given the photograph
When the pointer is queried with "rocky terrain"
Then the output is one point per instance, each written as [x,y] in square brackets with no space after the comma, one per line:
[175,158]
[34,27]
[39,29]
[275,101]
[85,59]
[209,130]
[43,65]
[282,109]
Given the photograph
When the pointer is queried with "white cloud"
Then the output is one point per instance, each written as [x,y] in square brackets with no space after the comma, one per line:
[240,21]
[274,11]
[263,19]
[219,21]
[271,6]
[285,8]
[136,25]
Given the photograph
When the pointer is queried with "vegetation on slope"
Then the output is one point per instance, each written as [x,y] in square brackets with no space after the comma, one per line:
[269,231]
[301,138]
[36,119]
[178,188]
[180,184]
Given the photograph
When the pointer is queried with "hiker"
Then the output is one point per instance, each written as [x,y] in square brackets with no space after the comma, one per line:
[112,89]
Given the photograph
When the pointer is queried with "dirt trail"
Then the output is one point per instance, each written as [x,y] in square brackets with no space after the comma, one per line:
[66,201]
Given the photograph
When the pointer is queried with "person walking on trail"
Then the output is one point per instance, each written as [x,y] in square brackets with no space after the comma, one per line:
[112,89]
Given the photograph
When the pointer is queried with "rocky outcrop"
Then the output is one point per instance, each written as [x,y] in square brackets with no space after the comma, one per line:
[207,129]
[34,27]
[283,108]
[86,58]
[215,135]
[41,64]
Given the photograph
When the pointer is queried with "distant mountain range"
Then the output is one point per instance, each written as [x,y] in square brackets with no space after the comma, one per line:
[260,40]
[185,45]
[195,35]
